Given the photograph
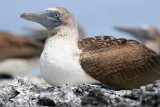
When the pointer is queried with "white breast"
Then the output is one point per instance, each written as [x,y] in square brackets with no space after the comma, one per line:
[59,65]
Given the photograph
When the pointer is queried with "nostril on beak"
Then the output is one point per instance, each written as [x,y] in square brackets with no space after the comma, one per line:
[23,15]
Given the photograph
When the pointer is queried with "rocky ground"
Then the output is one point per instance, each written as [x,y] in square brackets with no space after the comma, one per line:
[24,92]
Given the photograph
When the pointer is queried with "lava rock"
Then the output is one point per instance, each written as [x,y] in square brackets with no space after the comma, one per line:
[23,92]
[95,98]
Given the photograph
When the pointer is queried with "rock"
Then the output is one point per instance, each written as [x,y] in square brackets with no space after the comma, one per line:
[96,98]
[24,92]
[147,95]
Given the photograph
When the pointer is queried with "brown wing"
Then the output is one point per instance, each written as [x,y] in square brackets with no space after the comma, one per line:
[12,46]
[93,40]
[121,63]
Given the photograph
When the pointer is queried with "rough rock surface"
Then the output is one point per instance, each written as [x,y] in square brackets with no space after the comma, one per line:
[23,92]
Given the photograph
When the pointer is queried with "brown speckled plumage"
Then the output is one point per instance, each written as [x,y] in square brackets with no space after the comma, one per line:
[119,63]
[93,40]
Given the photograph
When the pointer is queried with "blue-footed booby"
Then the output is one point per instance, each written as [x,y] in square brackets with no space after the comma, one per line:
[147,34]
[116,63]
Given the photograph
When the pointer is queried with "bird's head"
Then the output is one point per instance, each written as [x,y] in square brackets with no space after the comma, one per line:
[52,18]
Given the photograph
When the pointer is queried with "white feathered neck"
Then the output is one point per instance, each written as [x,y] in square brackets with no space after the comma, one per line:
[63,43]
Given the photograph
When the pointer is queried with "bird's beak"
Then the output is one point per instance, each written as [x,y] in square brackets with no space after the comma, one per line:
[43,18]
[40,17]
[36,17]
[131,31]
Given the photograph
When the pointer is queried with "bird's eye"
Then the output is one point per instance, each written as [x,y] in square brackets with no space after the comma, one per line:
[56,15]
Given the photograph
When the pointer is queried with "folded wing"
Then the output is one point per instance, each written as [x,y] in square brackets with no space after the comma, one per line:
[120,63]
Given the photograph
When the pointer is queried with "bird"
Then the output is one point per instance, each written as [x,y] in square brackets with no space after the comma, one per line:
[115,63]
[18,55]
[147,34]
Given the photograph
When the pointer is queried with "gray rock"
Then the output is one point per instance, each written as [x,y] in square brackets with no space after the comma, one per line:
[23,92]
